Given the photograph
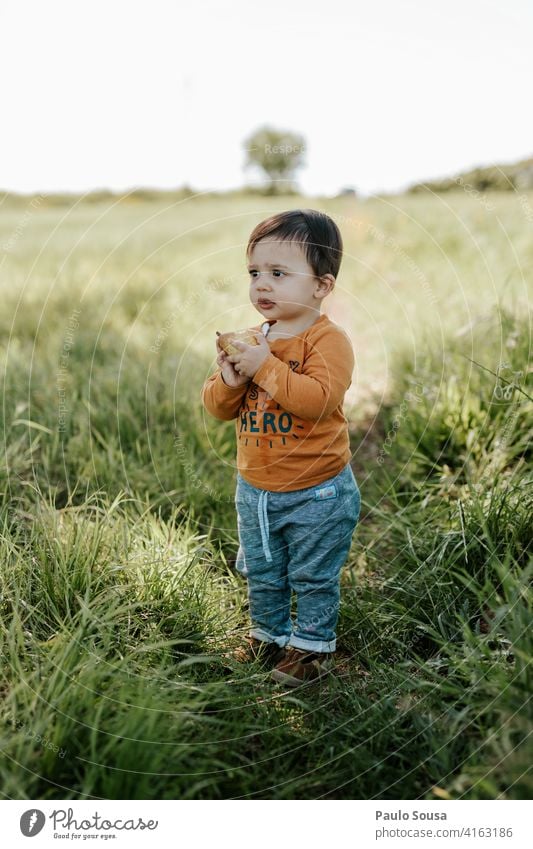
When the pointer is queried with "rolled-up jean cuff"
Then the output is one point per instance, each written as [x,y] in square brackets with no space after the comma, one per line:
[264,636]
[313,645]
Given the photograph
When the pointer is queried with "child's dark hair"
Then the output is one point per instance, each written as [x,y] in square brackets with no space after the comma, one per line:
[317,233]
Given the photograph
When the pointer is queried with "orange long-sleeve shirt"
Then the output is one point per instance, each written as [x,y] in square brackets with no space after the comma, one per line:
[290,426]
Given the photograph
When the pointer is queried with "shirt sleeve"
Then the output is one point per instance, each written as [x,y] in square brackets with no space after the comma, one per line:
[219,399]
[320,388]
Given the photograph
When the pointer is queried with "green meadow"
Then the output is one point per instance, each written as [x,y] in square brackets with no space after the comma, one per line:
[119,603]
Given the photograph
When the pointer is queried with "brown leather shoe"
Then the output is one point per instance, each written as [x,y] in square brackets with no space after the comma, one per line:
[259,651]
[299,666]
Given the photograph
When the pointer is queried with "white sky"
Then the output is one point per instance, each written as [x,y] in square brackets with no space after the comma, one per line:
[156,93]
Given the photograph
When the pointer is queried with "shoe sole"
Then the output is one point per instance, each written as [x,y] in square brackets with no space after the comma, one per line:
[282,677]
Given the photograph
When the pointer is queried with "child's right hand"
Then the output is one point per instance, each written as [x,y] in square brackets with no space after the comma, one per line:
[231,377]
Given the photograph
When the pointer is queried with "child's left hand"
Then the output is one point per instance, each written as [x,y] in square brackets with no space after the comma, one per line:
[252,356]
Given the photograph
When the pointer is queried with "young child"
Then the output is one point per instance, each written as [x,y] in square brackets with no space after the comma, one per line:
[297,499]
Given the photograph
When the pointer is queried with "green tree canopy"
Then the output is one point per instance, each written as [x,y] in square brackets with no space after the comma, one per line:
[277,153]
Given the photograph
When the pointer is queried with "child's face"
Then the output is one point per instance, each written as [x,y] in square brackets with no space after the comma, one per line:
[282,284]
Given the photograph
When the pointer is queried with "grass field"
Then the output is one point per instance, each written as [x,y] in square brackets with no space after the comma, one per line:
[118,600]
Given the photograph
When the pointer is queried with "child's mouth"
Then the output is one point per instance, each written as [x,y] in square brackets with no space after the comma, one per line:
[266,304]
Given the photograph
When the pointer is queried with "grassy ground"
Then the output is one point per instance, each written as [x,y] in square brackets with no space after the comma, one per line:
[118,601]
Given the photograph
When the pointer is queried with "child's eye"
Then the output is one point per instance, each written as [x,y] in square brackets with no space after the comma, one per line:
[275,272]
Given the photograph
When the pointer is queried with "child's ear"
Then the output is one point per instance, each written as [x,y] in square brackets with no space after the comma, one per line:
[326,284]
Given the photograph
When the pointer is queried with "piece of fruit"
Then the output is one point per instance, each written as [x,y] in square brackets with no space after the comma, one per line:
[225,340]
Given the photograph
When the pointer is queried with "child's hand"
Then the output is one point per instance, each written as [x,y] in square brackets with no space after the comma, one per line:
[251,357]
[230,375]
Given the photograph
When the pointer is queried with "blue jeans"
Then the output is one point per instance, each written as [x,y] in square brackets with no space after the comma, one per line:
[297,541]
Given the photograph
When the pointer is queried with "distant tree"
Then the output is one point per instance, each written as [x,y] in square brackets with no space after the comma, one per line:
[277,153]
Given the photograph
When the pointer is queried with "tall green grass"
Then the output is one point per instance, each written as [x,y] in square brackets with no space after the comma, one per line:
[119,606]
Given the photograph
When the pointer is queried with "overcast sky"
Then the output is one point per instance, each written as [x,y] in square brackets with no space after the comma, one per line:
[156,93]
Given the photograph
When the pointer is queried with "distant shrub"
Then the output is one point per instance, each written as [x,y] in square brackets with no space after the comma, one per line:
[516,177]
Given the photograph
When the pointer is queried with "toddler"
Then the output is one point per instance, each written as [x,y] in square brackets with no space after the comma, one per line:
[297,499]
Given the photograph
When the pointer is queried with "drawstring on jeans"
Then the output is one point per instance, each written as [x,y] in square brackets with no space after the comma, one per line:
[263,523]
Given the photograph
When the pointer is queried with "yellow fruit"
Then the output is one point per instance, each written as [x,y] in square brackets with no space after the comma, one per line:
[225,340]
